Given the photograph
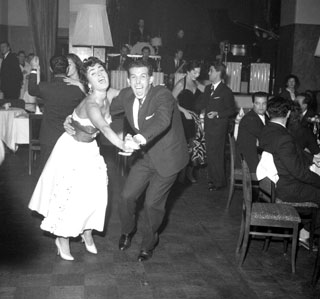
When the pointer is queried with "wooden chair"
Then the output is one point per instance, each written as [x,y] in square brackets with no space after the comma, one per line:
[303,208]
[316,270]
[236,173]
[267,215]
[34,133]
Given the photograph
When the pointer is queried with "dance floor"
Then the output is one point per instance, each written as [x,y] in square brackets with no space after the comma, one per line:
[195,257]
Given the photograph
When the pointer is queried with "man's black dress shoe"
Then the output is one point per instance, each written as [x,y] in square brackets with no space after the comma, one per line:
[125,241]
[145,255]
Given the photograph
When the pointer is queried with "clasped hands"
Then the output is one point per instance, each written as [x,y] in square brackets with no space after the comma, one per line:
[130,144]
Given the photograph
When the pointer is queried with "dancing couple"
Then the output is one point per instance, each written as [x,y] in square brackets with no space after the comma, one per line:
[71,192]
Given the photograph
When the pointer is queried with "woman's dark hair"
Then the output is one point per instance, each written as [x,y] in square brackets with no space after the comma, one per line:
[77,61]
[278,107]
[87,63]
[291,76]
[191,65]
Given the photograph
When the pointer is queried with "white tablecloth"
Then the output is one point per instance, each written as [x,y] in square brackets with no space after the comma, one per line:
[14,127]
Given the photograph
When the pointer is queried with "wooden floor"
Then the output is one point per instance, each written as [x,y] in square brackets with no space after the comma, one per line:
[195,257]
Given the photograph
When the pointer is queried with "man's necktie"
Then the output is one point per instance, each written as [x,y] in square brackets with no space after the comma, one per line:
[140,103]
[212,90]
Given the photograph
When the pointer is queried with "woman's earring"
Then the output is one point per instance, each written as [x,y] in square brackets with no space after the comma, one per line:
[90,89]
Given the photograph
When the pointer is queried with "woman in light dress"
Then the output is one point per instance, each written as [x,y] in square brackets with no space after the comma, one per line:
[72,191]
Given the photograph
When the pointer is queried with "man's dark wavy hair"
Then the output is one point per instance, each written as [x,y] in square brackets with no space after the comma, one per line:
[87,63]
[59,65]
[278,107]
[140,63]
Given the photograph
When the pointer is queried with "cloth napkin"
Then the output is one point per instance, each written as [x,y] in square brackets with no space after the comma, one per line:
[267,168]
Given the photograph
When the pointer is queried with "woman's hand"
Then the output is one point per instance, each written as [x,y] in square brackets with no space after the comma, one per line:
[68,127]
[187,114]
[73,82]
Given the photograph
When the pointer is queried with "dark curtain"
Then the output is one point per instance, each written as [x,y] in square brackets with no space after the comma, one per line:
[43,20]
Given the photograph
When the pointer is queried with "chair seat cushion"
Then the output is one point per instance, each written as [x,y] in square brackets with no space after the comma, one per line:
[270,211]
[306,204]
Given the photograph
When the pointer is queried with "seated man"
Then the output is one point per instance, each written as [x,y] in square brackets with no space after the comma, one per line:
[297,183]
[305,102]
[250,128]
[121,62]
[145,57]
[302,135]
[172,65]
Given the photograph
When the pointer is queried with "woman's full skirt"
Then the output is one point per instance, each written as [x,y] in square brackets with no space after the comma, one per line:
[72,191]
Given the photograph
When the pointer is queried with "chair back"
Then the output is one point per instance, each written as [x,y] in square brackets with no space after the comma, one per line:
[246,187]
[232,144]
[34,127]
[268,188]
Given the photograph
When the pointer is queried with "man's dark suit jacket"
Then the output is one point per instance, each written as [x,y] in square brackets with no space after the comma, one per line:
[296,180]
[59,101]
[11,77]
[216,129]
[160,124]
[304,137]
[115,63]
[169,66]
[250,129]
[304,121]
[222,101]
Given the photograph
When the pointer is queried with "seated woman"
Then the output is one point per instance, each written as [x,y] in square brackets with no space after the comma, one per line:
[290,90]
[302,135]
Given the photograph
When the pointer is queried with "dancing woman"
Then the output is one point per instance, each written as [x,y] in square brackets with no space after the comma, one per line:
[72,192]
[186,91]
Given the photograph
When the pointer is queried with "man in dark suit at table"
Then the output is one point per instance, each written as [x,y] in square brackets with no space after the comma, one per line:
[121,62]
[153,114]
[218,104]
[145,51]
[305,101]
[297,183]
[10,73]
[59,99]
[250,128]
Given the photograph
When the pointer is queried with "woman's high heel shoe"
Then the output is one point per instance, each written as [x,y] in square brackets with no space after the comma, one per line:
[65,256]
[91,248]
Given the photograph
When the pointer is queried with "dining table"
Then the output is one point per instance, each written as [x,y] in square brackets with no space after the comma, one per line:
[14,127]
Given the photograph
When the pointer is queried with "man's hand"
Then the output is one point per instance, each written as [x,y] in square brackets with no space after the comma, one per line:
[67,126]
[130,144]
[212,114]
[35,63]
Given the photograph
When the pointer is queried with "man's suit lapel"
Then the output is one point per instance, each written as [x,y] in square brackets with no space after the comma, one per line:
[144,109]
[129,115]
